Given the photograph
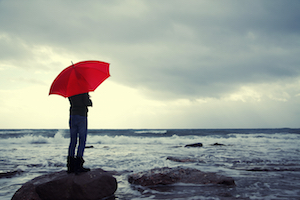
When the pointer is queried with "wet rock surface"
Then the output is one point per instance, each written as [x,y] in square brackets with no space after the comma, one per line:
[218,144]
[166,176]
[194,145]
[184,159]
[270,169]
[10,174]
[93,185]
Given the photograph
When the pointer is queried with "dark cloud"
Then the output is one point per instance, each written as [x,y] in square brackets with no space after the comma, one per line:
[170,49]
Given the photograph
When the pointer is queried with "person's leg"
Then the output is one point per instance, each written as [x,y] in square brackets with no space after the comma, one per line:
[82,130]
[71,164]
[73,135]
[71,160]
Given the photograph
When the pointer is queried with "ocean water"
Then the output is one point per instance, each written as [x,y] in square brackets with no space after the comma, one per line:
[265,163]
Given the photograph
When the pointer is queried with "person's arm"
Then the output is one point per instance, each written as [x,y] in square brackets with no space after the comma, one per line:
[87,100]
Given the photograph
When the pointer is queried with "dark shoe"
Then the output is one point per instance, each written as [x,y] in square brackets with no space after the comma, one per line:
[79,166]
[71,164]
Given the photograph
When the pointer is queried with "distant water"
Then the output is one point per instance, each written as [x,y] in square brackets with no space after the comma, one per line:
[265,163]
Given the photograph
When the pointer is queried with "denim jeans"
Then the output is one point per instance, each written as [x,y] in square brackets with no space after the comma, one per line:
[78,127]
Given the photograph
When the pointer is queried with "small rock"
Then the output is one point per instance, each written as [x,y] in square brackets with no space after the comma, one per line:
[194,145]
[176,146]
[10,174]
[217,144]
[176,159]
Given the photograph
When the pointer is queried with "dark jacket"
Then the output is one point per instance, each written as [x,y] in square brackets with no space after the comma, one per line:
[79,104]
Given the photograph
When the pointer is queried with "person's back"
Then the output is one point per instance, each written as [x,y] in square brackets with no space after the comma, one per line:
[79,104]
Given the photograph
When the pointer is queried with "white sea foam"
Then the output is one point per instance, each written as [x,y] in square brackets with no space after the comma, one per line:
[35,139]
[176,140]
[151,131]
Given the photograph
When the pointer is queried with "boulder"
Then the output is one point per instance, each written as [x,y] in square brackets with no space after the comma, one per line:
[165,176]
[194,145]
[93,185]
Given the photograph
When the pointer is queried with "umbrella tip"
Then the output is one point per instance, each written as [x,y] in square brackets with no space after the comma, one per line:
[72,64]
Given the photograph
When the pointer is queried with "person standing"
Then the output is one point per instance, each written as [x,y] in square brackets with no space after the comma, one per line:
[78,129]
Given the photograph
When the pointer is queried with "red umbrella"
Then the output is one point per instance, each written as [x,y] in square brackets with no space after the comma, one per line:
[80,78]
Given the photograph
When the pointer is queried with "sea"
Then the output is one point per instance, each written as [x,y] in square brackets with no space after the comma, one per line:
[264,163]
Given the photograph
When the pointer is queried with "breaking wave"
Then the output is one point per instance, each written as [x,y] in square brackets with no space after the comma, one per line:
[151,132]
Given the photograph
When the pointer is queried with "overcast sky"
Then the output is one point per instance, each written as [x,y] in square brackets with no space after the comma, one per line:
[173,63]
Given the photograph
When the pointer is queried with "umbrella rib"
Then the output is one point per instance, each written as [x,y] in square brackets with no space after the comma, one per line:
[78,75]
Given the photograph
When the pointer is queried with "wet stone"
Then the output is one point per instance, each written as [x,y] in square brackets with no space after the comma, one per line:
[10,174]
[93,185]
[217,144]
[166,176]
[183,159]
[194,145]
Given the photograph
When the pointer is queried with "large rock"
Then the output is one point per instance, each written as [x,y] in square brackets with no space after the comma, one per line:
[93,185]
[165,176]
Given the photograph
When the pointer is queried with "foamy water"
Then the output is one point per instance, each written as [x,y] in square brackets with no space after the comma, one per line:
[264,164]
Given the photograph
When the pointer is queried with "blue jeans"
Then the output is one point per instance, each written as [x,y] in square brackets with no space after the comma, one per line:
[78,127]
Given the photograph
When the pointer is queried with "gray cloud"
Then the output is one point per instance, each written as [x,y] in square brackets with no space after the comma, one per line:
[170,49]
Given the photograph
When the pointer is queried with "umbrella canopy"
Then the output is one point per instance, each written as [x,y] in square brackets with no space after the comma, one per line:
[80,78]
